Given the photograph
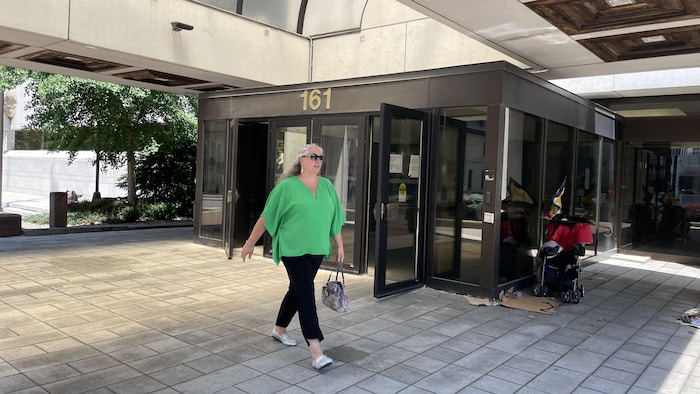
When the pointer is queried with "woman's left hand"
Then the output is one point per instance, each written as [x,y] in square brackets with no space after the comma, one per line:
[341,255]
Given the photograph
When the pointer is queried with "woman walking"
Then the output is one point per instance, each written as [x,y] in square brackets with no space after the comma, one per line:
[302,214]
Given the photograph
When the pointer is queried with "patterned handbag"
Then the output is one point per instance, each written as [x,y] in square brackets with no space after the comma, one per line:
[334,294]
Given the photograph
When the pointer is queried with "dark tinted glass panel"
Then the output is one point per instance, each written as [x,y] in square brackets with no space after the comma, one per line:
[329,16]
[340,145]
[519,217]
[280,13]
[586,185]
[228,5]
[213,174]
[607,238]
[458,195]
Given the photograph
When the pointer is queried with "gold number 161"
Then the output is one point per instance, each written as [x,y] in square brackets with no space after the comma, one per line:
[314,98]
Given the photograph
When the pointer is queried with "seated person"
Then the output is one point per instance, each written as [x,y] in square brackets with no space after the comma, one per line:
[674,222]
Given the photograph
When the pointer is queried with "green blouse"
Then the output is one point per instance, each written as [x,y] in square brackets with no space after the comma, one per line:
[300,223]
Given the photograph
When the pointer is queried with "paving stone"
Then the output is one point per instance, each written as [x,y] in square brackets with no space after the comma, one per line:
[147,313]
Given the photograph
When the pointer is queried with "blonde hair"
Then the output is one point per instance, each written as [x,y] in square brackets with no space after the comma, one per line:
[303,151]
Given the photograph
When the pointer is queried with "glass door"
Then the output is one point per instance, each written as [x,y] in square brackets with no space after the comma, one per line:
[230,194]
[211,181]
[287,137]
[399,256]
[342,140]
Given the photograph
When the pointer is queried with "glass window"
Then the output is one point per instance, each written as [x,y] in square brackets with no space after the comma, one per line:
[522,158]
[586,188]
[330,16]
[340,145]
[226,5]
[280,13]
[607,238]
[288,142]
[213,174]
[558,163]
[627,197]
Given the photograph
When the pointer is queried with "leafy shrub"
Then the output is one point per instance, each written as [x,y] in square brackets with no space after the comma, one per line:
[104,206]
[112,211]
[473,205]
[166,174]
[158,211]
[78,218]
[127,214]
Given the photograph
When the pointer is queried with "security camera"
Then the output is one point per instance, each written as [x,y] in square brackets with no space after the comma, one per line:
[177,26]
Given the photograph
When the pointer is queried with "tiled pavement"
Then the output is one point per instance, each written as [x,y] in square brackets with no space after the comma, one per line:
[149,311]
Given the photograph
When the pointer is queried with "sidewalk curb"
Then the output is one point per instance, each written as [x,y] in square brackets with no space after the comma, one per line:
[90,228]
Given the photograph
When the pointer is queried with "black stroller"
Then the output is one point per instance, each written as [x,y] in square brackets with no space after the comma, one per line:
[560,256]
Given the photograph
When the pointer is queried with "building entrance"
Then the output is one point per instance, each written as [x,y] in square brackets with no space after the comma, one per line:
[661,200]
[444,175]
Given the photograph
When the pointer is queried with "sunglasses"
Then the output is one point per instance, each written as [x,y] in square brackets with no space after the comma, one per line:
[314,157]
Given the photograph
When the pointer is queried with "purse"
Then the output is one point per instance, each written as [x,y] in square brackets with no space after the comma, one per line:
[333,294]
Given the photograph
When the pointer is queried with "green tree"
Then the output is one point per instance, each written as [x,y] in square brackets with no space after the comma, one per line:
[11,77]
[116,121]
[165,174]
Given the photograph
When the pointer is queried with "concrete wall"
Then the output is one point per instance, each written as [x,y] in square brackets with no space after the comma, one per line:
[395,38]
[40,172]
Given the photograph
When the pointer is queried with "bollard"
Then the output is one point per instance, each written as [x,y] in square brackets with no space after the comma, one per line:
[10,224]
[58,213]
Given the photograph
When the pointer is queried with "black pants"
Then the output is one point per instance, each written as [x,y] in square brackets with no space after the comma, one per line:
[300,296]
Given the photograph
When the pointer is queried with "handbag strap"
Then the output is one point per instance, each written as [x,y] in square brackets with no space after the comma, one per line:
[338,269]
[342,272]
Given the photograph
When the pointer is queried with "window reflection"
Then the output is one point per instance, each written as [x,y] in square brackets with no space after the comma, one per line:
[558,163]
[280,13]
[213,178]
[607,216]
[519,216]
[319,17]
[340,145]
[226,5]
[329,16]
[288,142]
[586,185]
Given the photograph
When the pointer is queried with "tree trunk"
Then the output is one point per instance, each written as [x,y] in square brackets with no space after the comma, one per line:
[131,177]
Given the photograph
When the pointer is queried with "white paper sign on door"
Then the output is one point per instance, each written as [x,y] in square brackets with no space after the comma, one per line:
[395,163]
[414,166]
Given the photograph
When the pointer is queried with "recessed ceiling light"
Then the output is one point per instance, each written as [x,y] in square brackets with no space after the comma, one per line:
[619,3]
[651,39]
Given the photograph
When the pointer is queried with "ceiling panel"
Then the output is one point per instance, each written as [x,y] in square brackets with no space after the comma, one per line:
[655,43]
[584,16]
